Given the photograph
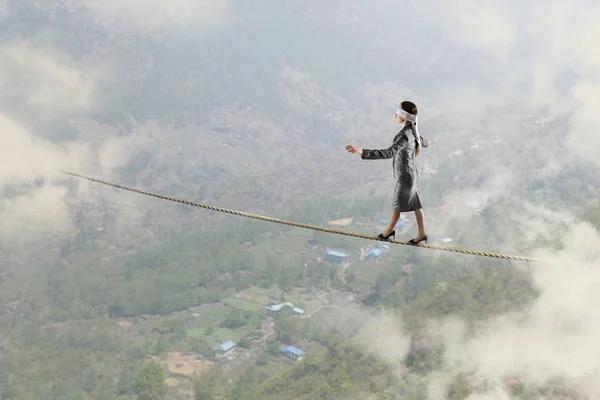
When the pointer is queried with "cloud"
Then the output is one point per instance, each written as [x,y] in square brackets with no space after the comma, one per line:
[384,335]
[485,25]
[495,394]
[536,45]
[584,139]
[36,78]
[25,157]
[41,86]
[567,33]
[155,18]
[556,337]
[33,215]
[378,332]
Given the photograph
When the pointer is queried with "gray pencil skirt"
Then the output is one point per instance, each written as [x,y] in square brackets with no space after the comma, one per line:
[406,198]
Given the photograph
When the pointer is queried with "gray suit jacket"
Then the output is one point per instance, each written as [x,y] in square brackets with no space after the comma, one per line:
[402,151]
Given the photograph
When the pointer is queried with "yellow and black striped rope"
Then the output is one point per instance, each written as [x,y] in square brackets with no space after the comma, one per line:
[306,226]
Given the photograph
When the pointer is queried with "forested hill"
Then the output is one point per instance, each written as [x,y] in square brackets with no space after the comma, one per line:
[248,105]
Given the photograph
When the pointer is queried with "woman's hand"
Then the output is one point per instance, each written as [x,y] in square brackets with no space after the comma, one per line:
[429,141]
[353,149]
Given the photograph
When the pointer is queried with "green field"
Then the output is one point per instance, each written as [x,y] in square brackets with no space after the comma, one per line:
[260,295]
[307,301]
[219,335]
[210,315]
[242,304]
[257,295]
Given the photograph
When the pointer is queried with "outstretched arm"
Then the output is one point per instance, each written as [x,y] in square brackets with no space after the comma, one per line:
[398,145]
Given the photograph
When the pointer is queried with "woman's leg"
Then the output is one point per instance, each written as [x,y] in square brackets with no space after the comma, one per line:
[420,217]
[393,221]
[395,206]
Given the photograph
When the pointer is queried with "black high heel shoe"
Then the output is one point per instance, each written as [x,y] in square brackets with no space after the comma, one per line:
[414,242]
[393,234]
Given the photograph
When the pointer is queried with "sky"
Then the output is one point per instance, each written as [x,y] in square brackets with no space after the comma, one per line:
[533,57]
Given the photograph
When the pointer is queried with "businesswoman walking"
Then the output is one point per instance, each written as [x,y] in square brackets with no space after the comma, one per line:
[405,147]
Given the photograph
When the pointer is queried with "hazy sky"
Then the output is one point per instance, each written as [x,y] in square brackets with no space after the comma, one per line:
[467,62]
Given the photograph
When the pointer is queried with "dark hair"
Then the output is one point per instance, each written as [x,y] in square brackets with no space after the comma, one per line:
[411,108]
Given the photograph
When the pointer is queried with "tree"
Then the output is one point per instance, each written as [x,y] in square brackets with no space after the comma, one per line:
[162,345]
[235,319]
[90,382]
[201,346]
[150,384]
[268,275]
[286,329]
[124,382]
[255,320]
[243,280]
[286,279]
[273,348]
[262,359]
[237,392]
[207,385]
[177,327]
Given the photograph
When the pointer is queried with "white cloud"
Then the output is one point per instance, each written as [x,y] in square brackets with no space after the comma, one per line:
[584,139]
[152,17]
[494,394]
[34,215]
[556,337]
[45,81]
[43,85]
[384,335]
[556,36]
[565,32]
[379,332]
[486,25]
[24,157]
[465,102]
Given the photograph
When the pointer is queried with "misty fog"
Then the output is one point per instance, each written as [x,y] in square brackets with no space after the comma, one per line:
[249,105]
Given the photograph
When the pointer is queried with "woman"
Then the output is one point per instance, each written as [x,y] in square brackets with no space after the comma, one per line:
[403,150]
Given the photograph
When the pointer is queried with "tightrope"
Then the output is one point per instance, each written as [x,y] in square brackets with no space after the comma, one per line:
[301,225]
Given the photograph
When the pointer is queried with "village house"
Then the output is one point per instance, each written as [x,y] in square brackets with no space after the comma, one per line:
[293,353]
[374,252]
[285,308]
[225,348]
[336,257]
